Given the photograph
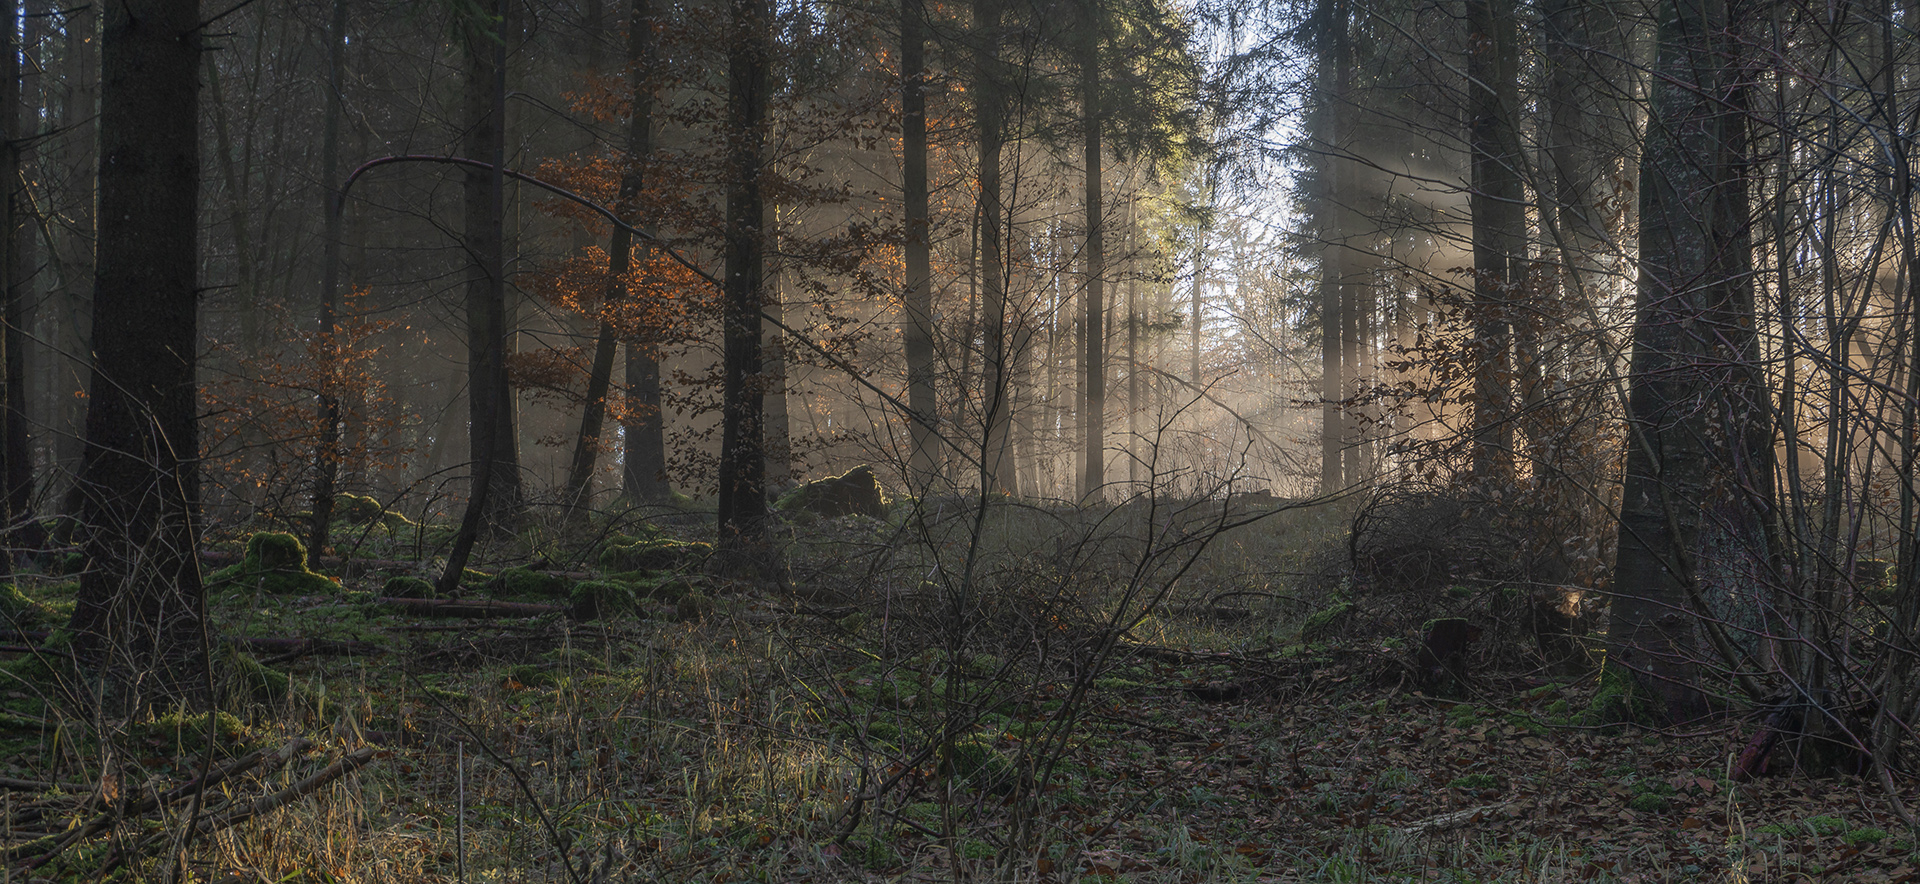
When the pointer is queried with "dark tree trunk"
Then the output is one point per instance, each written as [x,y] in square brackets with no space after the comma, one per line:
[1690,526]
[139,620]
[916,325]
[19,273]
[327,454]
[998,465]
[1499,225]
[645,476]
[488,394]
[1093,322]
[1332,224]
[15,462]
[743,503]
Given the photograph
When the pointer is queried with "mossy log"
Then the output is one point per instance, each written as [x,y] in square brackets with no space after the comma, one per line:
[474,608]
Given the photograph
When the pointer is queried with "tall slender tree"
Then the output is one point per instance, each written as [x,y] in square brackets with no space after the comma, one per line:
[743,503]
[1499,224]
[998,471]
[491,438]
[916,321]
[1093,454]
[327,453]
[645,475]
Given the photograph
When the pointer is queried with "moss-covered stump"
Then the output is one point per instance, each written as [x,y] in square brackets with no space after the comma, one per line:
[519,582]
[406,587]
[277,563]
[602,599]
[857,492]
[358,509]
[654,554]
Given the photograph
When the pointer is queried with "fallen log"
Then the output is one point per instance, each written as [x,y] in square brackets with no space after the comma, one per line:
[473,608]
[1450,820]
[347,764]
[305,646]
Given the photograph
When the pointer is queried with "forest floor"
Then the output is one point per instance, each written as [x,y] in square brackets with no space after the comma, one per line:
[740,734]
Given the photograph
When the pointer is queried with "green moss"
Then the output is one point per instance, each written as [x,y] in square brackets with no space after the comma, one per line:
[1475,782]
[598,599]
[1866,835]
[275,562]
[870,852]
[254,681]
[357,509]
[856,492]
[404,587]
[975,760]
[530,675]
[1647,802]
[1827,825]
[654,554]
[527,583]
[67,563]
[1620,700]
[20,612]
[181,734]
[1327,621]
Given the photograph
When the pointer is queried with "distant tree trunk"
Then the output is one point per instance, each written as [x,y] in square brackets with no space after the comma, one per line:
[742,470]
[998,471]
[76,261]
[916,321]
[1499,225]
[488,393]
[645,475]
[1094,454]
[1332,224]
[139,621]
[327,453]
[1134,405]
[17,471]
[777,438]
[1690,536]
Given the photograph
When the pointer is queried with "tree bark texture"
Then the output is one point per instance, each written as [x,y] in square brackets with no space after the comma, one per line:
[916,321]
[1691,544]
[327,454]
[140,616]
[1499,226]
[489,397]
[743,504]
[998,465]
[1094,453]
[645,476]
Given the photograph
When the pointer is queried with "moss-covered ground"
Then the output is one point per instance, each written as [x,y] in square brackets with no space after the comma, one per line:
[838,728]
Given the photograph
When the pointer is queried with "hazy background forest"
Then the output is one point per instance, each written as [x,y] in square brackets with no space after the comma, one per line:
[587,440]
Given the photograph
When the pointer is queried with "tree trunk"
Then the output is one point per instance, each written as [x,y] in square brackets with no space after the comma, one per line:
[1094,454]
[997,464]
[645,475]
[1499,226]
[777,437]
[326,455]
[1332,223]
[140,618]
[916,325]
[488,393]
[1134,405]
[742,470]
[1690,528]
